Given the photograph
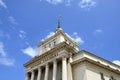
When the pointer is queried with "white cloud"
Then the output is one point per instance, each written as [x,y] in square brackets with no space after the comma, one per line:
[12,20]
[55,1]
[97,31]
[116,62]
[2,51]
[87,4]
[68,2]
[48,36]
[2,4]
[4,60]
[2,34]
[30,51]
[76,38]
[22,34]
[97,46]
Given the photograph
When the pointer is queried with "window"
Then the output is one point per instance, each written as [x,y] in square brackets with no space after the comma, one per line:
[65,40]
[44,46]
[102,76]
[54,43]
[112,78]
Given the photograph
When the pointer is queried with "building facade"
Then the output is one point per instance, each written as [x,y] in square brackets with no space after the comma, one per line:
[59,58]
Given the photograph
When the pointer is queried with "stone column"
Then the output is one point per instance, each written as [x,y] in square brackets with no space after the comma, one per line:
[64,68]
[54,70]
[32,75]
[69,69]
[46,72]
[26,76]
[39,73]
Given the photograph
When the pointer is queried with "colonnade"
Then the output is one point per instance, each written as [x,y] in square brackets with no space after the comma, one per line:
[32,74]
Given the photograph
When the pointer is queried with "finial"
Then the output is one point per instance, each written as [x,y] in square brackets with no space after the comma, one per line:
[59,21]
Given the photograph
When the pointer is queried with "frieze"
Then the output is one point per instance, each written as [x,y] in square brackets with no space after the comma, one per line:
[46,59]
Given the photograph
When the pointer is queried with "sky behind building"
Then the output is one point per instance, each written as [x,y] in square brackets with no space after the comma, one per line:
[94,24]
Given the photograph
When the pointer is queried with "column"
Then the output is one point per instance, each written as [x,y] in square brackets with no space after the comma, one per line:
[54,70]
[64,68]
[39,73]
[26,76]
[69,69]
[46,72]
[32,75]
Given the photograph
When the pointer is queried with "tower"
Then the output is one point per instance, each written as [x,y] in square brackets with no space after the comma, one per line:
[59,58]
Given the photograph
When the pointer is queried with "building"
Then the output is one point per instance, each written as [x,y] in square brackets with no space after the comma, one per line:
[59,58]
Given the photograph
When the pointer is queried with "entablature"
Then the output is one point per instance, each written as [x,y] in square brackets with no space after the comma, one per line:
[63,49]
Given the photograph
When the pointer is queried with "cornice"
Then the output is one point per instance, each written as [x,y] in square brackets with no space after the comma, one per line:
[85,59]
[91,54]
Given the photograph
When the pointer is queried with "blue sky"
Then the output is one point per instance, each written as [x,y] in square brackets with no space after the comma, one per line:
[94,24]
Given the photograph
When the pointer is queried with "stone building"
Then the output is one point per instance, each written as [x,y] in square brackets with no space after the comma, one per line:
[59,58]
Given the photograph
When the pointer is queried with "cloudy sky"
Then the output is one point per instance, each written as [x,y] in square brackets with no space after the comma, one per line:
[94,24]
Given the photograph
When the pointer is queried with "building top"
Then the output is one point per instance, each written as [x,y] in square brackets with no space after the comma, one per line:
[53,47]
[58,37]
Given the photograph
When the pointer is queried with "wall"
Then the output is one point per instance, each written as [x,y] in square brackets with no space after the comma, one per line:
[89,71]
[93,73]
[79,72]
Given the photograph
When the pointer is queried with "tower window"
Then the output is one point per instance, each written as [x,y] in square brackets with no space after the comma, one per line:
[44,46]
[54,42]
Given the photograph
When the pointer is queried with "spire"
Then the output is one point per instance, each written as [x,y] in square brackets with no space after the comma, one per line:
[59,27]
[59,21]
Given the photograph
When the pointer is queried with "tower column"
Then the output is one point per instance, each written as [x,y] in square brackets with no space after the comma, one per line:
[46,72]
[64,68]
[39,73]
[32,75]
[54,69]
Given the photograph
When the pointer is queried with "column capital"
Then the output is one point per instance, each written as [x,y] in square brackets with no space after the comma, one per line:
[54,61]
[39,68]
[32,71]
[64,58]
[47,65]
